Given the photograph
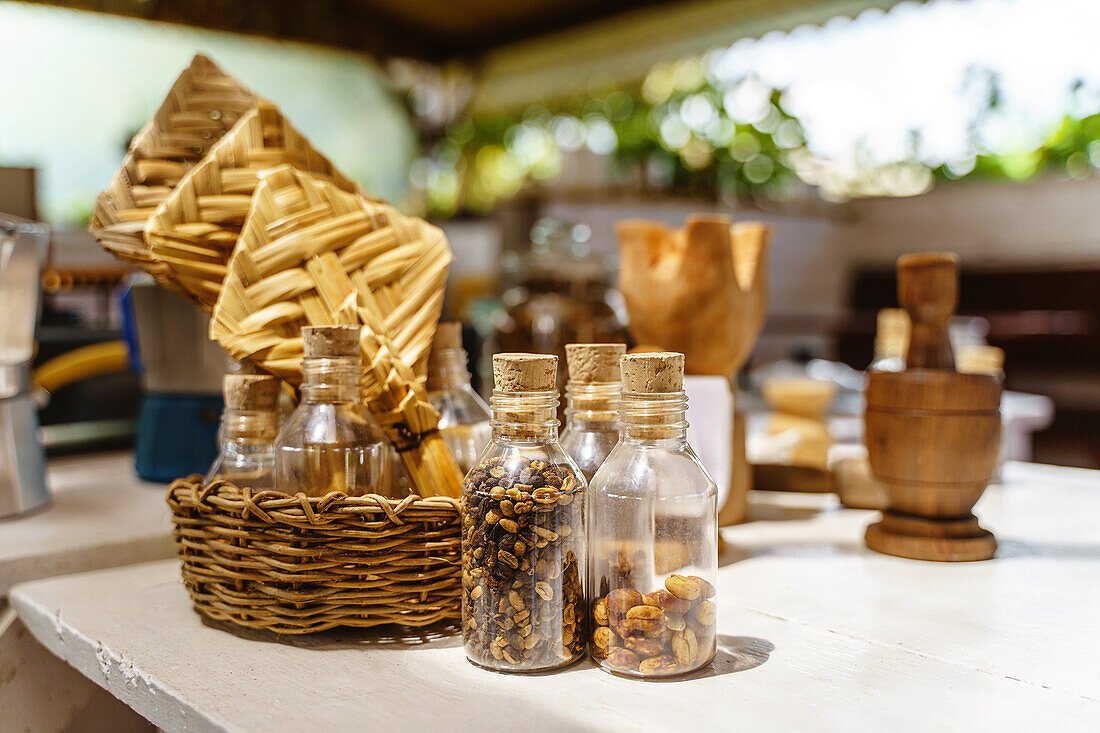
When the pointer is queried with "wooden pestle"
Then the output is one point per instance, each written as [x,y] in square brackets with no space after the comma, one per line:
[932,433]
[928,289]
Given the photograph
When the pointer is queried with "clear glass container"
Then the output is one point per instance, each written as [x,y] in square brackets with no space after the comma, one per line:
[592,424]
[246,437]
[653,545]
[330,442]
[463,415]
[523,543]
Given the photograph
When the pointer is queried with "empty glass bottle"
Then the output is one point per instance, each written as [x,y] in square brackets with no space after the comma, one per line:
[247,434]
[653,533]
[463,416]
[523,537]
[592,404]
[331,443]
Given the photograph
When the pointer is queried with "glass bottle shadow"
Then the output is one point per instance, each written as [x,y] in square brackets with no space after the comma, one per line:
[734,654]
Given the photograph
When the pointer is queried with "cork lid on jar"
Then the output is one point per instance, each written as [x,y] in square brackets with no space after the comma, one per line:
[593,363]
[524,372]
[330,341]
[250,392]
[653,373]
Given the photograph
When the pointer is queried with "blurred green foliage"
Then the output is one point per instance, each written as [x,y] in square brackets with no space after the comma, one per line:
[684,133]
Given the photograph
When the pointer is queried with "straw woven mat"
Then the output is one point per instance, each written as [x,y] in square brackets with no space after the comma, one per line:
[195,229]
[203,103]
[312,254]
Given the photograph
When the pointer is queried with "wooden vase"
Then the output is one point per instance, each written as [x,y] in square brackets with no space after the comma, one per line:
[702,291]
[932,433]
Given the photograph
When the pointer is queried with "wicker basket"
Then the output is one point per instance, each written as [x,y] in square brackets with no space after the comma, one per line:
[298,565]
[201,106]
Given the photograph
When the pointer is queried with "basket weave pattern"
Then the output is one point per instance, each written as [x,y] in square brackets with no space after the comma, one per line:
[195,229]
[311,254]
[298,565]
[203,103]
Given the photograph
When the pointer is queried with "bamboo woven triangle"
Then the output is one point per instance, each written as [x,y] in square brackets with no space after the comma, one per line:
[312,254]
[195,228]
[203,103]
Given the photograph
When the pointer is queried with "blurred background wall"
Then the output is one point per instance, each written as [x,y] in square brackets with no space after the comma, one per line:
[78,85]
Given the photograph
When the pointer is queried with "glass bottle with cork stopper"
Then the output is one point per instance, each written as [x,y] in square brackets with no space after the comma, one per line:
[523,535]
[330,442]
[463,415]
[653,533]
[246,438]
[592,403]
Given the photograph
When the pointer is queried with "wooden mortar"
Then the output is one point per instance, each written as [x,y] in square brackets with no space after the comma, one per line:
[932,433]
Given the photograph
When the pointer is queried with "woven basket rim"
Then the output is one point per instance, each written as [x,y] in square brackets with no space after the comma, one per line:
[224,494]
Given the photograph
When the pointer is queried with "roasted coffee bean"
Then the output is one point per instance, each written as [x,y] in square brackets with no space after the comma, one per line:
[657,665]
[599,612]
[683,587]
[644,646]
[622,658]
[621,600]
[705,613]
[671,603]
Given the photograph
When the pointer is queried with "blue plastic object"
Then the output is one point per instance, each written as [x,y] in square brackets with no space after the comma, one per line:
[129,329]
[177,435]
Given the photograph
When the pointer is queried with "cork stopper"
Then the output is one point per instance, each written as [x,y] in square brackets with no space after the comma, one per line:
[593,362]
[524,372]
[330,340]
[653,373]
[250,392]
[448,335]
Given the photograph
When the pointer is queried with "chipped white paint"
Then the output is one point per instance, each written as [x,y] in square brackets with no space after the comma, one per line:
[101,516]
[816,633]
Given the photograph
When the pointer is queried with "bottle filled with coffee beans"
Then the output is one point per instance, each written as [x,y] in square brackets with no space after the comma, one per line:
[523,532]
[653,533]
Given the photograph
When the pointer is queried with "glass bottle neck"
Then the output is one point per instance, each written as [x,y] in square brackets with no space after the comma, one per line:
[447,371]
[331,379]
[593,405]
[653,418]
[246,428]
[525,416]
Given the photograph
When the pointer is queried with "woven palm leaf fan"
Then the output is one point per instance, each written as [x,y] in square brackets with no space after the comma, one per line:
[312,254]
[195,228]
[201,106]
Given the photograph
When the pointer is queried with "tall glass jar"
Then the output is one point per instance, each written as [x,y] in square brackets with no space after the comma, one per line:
[592,404]
[463,416]
[247,434]
[523,536]
[331,443]
[653,533]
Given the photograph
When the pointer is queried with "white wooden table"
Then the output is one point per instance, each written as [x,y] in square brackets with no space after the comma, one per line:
[816,633]
[101,515]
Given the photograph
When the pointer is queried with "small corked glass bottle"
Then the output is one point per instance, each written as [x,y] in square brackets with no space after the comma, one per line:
[523,536]
[653,533]
[330,442]
[592,404]
[463,415]
[246,438]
